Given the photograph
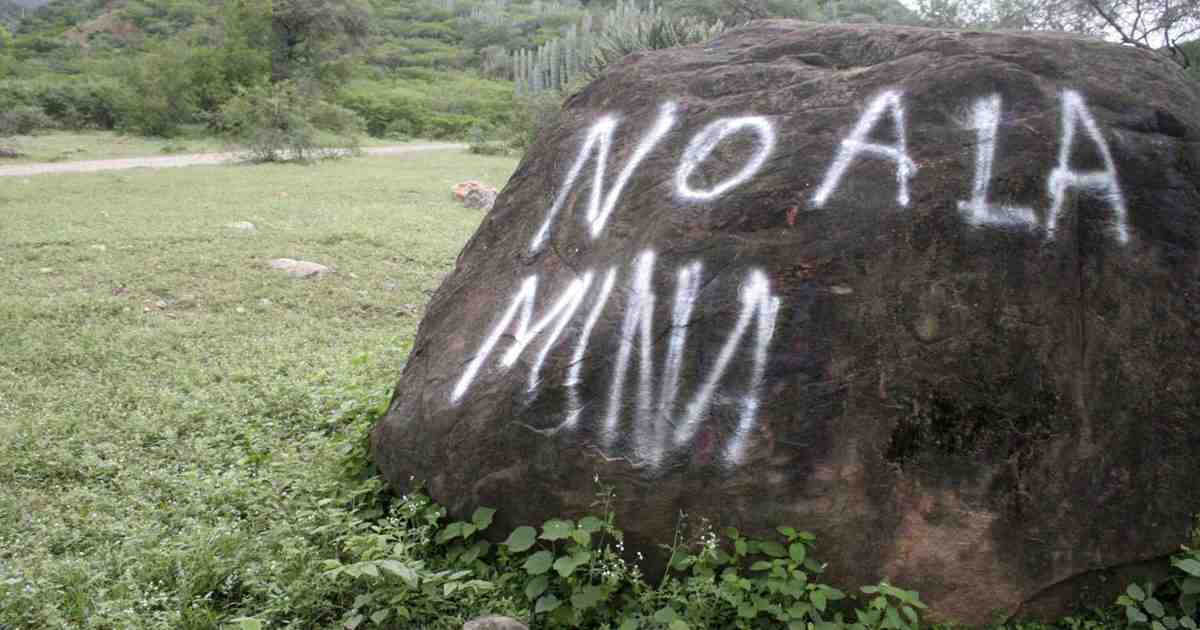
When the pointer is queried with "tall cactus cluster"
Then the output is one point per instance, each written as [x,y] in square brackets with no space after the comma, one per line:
[556,63]
[586,47]
[498,12]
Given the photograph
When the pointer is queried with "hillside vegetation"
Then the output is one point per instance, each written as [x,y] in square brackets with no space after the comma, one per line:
[402,68]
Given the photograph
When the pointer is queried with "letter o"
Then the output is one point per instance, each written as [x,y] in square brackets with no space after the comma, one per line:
[703,144]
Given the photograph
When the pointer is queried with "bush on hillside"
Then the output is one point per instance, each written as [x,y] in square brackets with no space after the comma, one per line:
[429,104]
[23,120]
[74,103]
[167,93]
[482,141]
[288,121]
[531,114]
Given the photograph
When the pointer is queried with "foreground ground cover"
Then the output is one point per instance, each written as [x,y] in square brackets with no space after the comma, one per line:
[168,406]
[181,429]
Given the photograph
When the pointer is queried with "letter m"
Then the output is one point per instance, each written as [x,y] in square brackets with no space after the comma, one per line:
[525,330]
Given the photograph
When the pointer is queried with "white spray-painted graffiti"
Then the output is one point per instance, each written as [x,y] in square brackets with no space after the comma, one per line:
[661,424]
[703,144]
[656,412]
[979,210]
[1104,182]
[599,140]
[1074,112]
[859,143]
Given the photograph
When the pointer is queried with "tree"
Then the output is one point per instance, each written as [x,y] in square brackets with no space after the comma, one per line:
[1157,25]
[1162,26]
[1071,16]
[310,34]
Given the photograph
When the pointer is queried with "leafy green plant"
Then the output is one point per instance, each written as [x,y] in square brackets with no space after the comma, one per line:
[1170,605]
[410,567]
[890,607]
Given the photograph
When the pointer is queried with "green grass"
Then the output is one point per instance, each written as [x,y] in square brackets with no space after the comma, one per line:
[63,146]
[167,402]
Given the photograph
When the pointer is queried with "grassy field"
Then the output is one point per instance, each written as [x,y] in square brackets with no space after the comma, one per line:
[106,145]
[171,411]
[102,145]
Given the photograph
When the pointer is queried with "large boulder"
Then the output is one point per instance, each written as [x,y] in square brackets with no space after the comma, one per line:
[932,295]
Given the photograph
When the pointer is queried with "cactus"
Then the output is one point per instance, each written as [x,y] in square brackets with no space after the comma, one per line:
[595,41]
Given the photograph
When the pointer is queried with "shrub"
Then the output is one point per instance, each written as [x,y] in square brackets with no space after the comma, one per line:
[74,103]
[429,105]
[288,122]
[482,141]
[532,113]
[164,83]
[23,120]
[1170,605]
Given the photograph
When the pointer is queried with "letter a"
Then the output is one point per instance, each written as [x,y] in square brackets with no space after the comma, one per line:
[859,143]
[1103,183]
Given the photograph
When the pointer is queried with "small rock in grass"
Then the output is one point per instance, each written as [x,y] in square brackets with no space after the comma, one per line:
[299,268]
[494,622]
[241,225]
[480,198]
[461,189]
[100,247]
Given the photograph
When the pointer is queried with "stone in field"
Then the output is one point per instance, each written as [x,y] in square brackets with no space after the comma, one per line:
[934,296]
[299,268]
[480,199]
[244,226]
[461,189]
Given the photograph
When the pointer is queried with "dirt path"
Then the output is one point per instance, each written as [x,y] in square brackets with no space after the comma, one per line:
[174,161]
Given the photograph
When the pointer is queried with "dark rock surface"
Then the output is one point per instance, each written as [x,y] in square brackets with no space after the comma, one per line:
[934,296]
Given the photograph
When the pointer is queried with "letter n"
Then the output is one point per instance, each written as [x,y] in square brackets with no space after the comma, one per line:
[599,141]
